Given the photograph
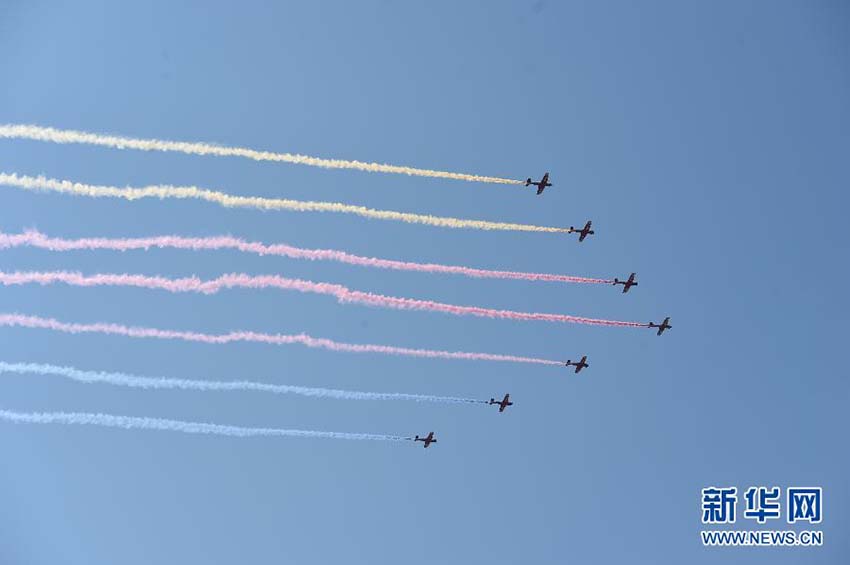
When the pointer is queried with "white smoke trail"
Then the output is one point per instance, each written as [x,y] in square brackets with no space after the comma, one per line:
[123,379]
[230,201]
[39,133]
[141,423]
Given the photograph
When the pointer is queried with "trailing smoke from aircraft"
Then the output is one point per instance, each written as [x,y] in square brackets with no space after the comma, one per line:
[36,239]
[343,294]
[41,183]
[35,322]
[159,383]
[142,423]
[39,133]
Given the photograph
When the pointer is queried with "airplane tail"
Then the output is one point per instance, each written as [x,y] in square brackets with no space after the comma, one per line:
[528,181]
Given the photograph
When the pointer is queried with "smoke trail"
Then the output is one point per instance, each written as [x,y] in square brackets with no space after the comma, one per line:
[343,294]
[135,423]
[123,379]
[230,201]
[39,133]
[36,239]
[35,322]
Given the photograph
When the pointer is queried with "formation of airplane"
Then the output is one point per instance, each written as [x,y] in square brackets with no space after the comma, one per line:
[627,284]
[502,404]
[583,232]
[427,440]
[541,185]
[581,363]
[578,365]
[665,325]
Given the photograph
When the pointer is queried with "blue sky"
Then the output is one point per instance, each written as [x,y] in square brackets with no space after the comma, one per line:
[707,142]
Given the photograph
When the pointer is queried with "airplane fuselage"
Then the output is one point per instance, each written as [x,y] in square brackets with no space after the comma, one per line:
[665,325]
[583,232]
[541,185]
[578,365]
[427,440]
[502,404]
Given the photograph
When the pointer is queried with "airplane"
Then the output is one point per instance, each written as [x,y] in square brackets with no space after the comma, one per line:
[665,325]
[505,402]
[626,284]
[427,440]
[585,231]
[541,186]
[579,366]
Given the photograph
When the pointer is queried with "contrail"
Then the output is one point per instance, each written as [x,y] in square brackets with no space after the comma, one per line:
[35,322]
[230,201]
[343,294]
[123,379]
[136,423]
[39,133]
[34,238]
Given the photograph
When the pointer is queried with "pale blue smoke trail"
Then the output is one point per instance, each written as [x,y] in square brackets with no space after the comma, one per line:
[122,379]
[137,423]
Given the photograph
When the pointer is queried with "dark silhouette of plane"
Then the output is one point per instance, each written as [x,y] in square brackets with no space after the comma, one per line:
[626,284]
[584,232]
[665,325]
[504,403]
[541,186]
[427,440]
[579,365]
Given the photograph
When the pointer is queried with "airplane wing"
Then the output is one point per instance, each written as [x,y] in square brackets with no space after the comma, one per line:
[540,188]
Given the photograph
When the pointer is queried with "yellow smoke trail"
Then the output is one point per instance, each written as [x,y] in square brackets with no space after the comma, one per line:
[40,133]
[230,201]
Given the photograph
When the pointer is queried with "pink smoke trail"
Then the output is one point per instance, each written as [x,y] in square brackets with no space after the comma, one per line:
[37,239]
[35,322]
[342,294]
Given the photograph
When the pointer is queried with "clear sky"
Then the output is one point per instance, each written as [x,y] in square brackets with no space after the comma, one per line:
[707,141]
